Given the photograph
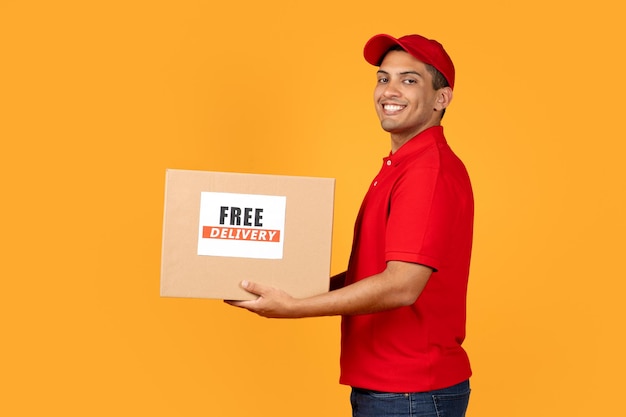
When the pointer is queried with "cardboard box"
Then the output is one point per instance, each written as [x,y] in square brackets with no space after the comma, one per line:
[221,228]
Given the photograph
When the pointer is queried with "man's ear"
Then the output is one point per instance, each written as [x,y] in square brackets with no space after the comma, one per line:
[444,97]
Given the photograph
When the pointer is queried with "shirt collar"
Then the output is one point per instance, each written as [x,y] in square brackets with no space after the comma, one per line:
[418,143]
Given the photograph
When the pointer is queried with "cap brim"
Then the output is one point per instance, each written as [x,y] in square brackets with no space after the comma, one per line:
[377,46]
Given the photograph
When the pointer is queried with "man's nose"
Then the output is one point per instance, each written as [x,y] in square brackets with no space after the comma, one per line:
[391,89]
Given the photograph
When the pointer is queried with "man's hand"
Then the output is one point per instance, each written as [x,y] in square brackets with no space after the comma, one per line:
[272,302]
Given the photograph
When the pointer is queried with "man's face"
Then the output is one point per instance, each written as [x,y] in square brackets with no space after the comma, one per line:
[404,97]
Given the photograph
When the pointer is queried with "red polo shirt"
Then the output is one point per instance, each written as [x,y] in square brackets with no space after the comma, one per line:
[419,209]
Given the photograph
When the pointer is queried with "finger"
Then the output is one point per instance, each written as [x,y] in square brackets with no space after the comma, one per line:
[247,304]
[253,287]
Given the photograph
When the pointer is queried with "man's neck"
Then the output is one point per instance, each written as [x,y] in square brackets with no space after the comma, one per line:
[400,139]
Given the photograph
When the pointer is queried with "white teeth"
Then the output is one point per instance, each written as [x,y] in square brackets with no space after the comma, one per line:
[392,107]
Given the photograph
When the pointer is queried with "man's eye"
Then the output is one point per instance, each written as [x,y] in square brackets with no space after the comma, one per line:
[410,81]
[382,80]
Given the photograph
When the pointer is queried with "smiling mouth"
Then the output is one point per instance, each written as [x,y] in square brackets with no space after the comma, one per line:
[392,108]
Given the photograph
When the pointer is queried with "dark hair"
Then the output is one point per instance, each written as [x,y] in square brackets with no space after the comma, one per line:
[439,81]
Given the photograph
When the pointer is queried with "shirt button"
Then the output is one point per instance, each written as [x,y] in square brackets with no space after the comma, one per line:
[388,162]
[375,183]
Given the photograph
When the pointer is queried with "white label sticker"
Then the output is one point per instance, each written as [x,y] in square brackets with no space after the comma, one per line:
[241,225]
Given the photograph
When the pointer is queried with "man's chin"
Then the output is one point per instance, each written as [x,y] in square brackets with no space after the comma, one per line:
[389,126]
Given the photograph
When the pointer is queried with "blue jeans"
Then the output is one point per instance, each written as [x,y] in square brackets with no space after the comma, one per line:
[447,402]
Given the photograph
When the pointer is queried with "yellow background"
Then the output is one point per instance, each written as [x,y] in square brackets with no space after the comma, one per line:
[98,98]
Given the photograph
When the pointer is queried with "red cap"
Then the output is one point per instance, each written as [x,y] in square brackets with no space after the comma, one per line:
[426,50]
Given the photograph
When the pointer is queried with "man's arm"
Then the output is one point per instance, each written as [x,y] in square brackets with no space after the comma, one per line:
[398,285]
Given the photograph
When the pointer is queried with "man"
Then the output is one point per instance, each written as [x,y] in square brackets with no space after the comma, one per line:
[402,298]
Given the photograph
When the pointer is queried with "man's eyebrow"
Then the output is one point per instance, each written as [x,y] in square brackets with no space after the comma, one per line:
[409,72]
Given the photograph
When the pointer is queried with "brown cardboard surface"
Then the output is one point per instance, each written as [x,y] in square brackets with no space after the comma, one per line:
[304,268]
